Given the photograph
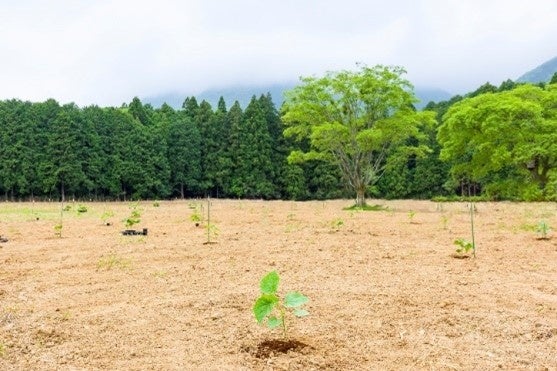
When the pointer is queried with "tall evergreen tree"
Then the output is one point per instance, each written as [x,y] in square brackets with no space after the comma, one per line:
[184,155]
[252,154]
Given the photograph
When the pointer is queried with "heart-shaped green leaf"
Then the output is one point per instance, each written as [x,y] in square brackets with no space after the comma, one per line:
[269,283]
[264,306]
[294,299]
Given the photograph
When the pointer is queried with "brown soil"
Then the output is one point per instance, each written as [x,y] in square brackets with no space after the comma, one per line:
[385,292]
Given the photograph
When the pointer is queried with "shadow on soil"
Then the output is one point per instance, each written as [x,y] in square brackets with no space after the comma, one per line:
[268,348]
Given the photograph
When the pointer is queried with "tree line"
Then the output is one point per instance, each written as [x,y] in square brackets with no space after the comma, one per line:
[497,142]
[53,151]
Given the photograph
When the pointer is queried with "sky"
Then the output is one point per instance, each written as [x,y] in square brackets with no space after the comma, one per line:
[105,52]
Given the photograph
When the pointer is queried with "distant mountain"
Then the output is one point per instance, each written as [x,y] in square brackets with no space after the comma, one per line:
[240,93]
[542,73]
[244,93]
[426,95]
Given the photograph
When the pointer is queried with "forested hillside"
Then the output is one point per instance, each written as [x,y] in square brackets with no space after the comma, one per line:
[53,151]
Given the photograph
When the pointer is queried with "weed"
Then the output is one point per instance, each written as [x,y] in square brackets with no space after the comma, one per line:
[411,215]
[160,274]
[105,217]
[113,261]
[336,223]
[444,221]
[156,204]
[270,309]
[543,230]
[67,208]
[366,208]
[81,209]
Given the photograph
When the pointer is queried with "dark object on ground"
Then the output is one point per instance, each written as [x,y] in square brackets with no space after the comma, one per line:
[3,239]
[134,232]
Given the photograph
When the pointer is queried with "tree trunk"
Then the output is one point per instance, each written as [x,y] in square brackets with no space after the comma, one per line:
[62,192]
[360,197]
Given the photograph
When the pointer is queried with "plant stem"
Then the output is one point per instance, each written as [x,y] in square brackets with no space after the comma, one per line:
[472,226]
[283,320]
[208,220]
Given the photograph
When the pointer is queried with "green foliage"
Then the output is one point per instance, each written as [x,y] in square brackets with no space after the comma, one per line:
[336,223]
[212,231]
[444,221]
[464,246]
[507,138]
[543,230]
[134,217]
[156,204]
[111,261]
[67,208]
[271,310]
[106,216]
[366,207]
[58,230]
[81,209]
[355,120]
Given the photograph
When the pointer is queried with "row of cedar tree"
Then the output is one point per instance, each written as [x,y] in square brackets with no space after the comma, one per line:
[53,151]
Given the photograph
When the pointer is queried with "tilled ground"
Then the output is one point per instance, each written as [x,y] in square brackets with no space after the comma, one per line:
[385,292]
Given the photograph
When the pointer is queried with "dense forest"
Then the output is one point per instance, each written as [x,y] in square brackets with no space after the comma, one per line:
[136,151]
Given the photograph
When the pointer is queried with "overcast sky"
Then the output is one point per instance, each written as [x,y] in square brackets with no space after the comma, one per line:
[108,51]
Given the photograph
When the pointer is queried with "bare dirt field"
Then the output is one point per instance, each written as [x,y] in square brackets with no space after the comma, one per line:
[385,292]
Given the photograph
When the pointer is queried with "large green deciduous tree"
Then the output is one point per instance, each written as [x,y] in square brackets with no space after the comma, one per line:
[357,120]
[514,132]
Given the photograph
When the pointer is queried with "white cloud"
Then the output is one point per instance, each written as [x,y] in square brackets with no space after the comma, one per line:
[106,52]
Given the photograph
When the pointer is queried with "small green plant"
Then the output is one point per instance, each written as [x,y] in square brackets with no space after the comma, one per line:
[81,209]
[58,230]
[411,215]
[444,221]
[212,232]
[135,216]
[336,223]
[156,204]
[196,216]
[365,207]
[160,274]
[113,261]
[543,230]
[67,208]
[464,246]
[270,309]
[105,217]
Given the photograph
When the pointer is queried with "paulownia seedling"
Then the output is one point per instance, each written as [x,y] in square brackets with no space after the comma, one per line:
[464,247]
[543,230]
[271,309]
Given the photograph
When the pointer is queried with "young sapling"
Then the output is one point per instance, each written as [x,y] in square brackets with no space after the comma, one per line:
[271,309]
[543,230]
[464,247]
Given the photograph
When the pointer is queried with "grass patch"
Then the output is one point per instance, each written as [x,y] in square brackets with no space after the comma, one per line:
[113,261]
[366,208]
